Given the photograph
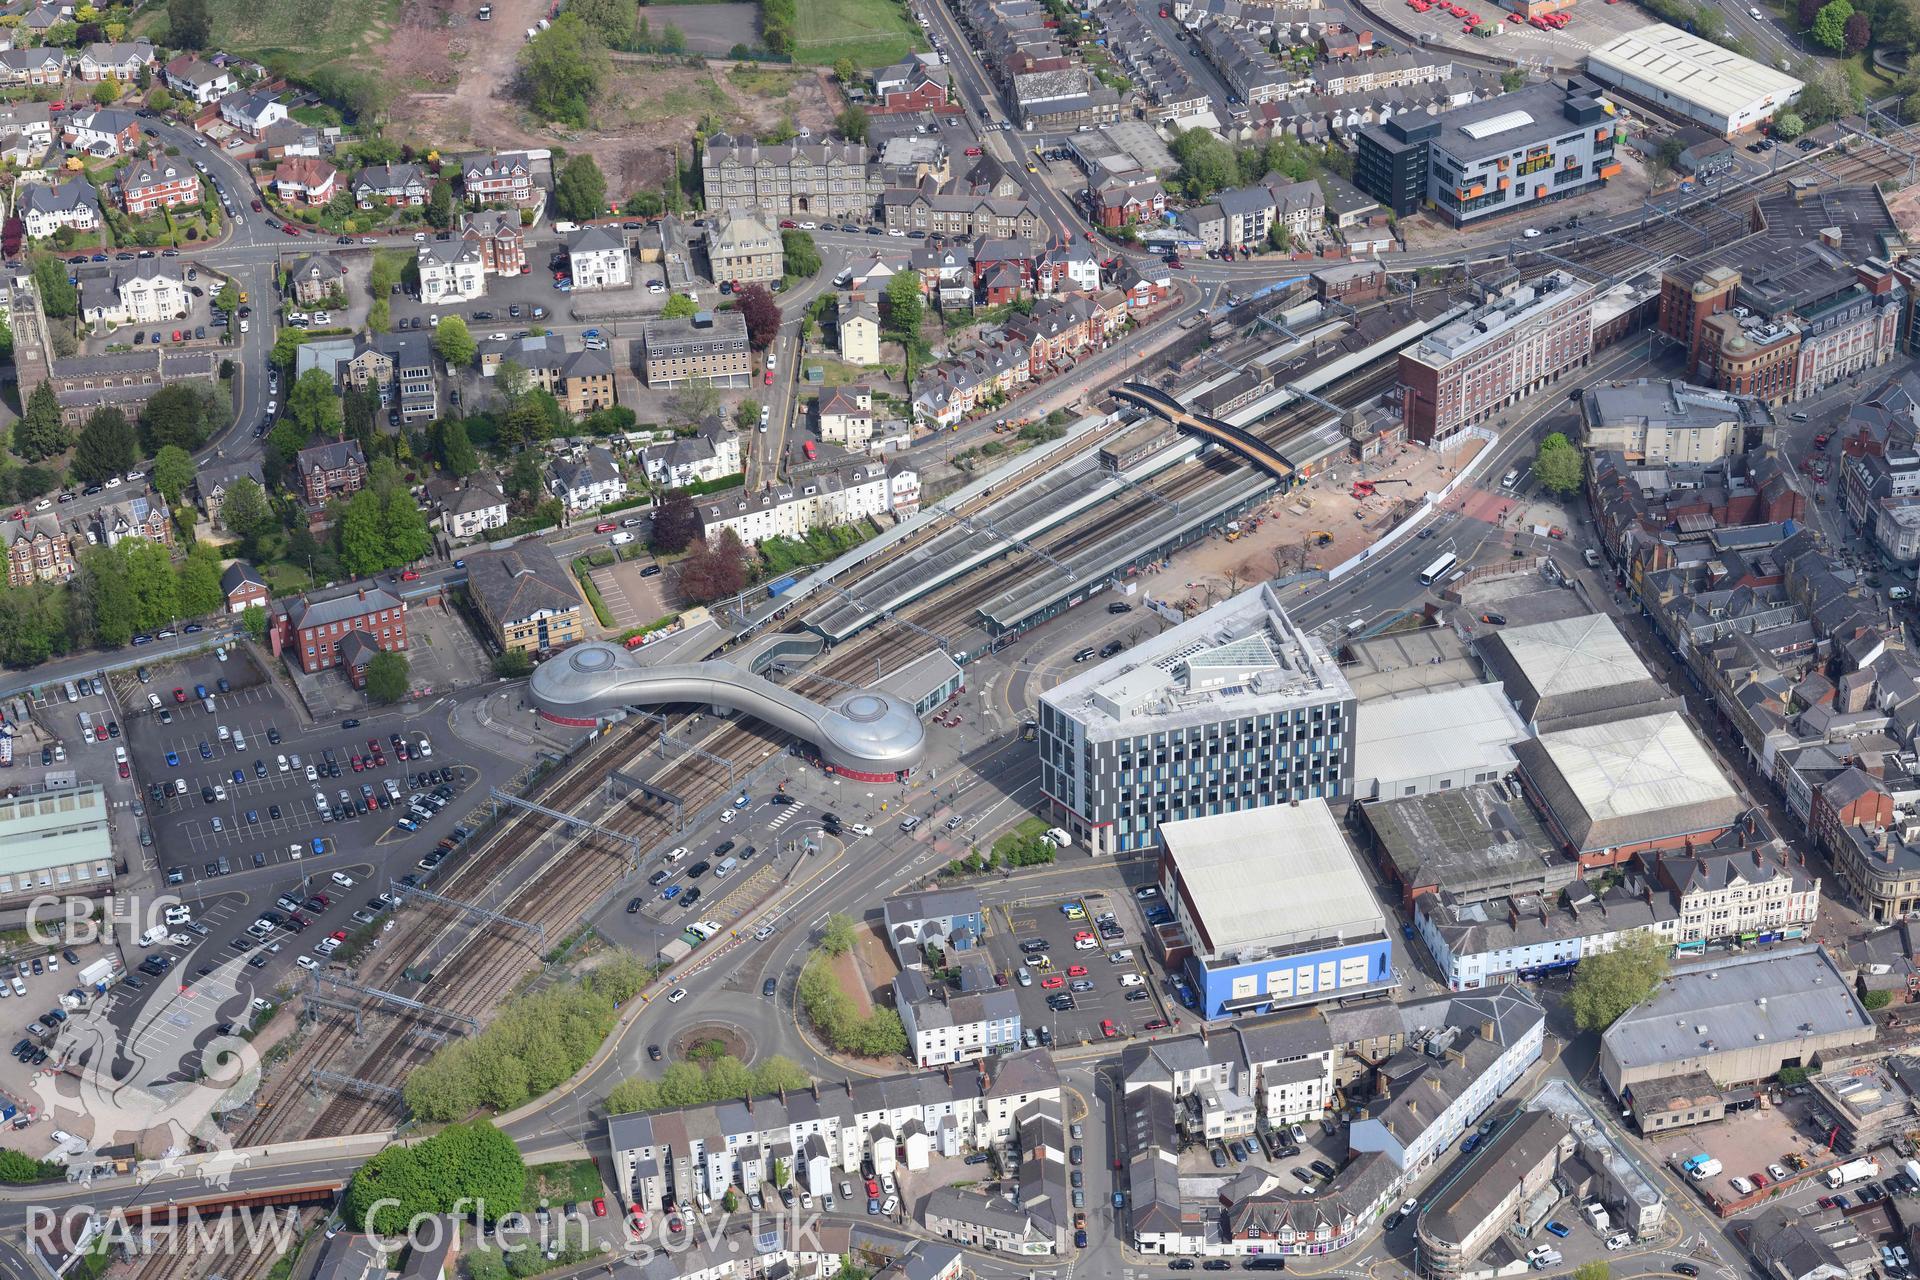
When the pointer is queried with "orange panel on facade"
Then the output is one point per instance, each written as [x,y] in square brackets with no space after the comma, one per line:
[1607,171]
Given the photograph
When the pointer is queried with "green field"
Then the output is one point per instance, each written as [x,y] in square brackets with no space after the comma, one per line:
[291,30]
[871,32]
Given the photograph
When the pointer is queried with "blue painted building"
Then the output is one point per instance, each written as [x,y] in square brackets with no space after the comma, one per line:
[1275,910]
[950,919]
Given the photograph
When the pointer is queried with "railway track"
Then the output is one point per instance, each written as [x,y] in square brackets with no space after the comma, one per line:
[482,966]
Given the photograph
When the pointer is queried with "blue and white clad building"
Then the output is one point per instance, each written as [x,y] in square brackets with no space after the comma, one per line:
[1274,908]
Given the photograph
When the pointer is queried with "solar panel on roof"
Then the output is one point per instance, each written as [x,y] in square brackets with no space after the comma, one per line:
[1482,129]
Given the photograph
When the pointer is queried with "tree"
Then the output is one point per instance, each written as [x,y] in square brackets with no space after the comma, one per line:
[158,99]
[838,935]
[254,619]
[761,313]
[314,405]
[1206,162]
[1858,32]
[580,192]
[40,433]
[610,20]
[1557,463]
[513,664]
[563,69]
[1513,80]
[676,522]
[440,204]
[847,71]
[387,676]
[693,404]
[189,24]
[1807,11]
[729,1203]
[154,590]
[746,414]
[714,570]
[1830,24]
[172,472]
[1595,1270]
[180,413]
[359,413]
[523,483]
[906,307]
[454,343]
[801,254]
[456,451]
[1788,125]
[1607,985]
[359,535]
[852,124]
[1828,93]
[678,307]
[58,297]
[199,582]
[1671,149]
[107,92]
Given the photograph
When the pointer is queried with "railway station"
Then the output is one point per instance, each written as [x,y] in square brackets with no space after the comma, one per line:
[868,734]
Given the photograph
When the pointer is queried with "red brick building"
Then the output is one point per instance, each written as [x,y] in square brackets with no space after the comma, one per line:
[317,634]
[908,87]
[1851,798]
[158,182]
[326,470]
[1117,204]
[503,245]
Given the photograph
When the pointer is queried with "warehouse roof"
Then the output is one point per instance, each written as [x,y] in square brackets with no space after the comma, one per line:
[1216,858]
[1695,70]
[1628,781]
[57,828]
[1470,729]
[1475,842]
[1728,1004]
[1567,667]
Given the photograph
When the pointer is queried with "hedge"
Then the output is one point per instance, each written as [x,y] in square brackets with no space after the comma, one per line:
[737,480]
[582,572]
[656,625]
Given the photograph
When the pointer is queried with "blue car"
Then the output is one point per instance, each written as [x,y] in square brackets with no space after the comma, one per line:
[206,752]
[173,760]
[319,847]
[1557,1229]
[199,691]
[253,815]
[407,824]
[669,893]
[238,777]
[589,333]
[193,628]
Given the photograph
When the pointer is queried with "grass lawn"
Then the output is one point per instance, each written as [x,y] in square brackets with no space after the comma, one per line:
[871,32]
[320,116]
[312,35]
[562,1182]
[764,82]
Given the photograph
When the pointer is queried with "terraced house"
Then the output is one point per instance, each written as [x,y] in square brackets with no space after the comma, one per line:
[983,217]
[792,180]
[115,61]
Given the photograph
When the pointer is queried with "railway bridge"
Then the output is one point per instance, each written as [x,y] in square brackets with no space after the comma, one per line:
[1238,439]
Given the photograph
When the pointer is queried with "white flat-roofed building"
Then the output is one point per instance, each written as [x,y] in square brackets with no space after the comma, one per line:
[1436,741]
[1738,1020]
[1324,938]
[1612,790]
[1237,708]
[1655,421]
[1723,90]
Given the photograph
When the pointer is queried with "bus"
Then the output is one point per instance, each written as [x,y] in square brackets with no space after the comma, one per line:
[1439,569]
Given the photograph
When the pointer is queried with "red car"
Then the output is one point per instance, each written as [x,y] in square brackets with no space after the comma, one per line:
[408,575]
[256,207]
[99,733]
[373,745]
[180,695]
[769,377]
[873,1187]
[788,224]
[1107,1028]
[599,1207]
[605,526]
[973,151]
[1157,1024]
[124,771]
[353,762]
[289,228]
[1053,981]
[1076,971]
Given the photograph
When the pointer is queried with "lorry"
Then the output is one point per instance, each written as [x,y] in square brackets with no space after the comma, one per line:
[1852,1171]
[97,974]
[1597,1215]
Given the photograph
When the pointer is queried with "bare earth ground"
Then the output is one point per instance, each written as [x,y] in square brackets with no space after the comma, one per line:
[464,71]
[1274,549]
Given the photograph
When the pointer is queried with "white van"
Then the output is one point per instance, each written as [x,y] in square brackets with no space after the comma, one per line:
[1355,627]
[154,936]
[726,865]
[1060,838]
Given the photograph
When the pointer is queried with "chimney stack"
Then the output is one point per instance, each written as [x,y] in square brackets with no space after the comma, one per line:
[1486,1030]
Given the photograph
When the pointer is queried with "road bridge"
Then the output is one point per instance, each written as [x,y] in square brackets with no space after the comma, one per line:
[1238,439]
